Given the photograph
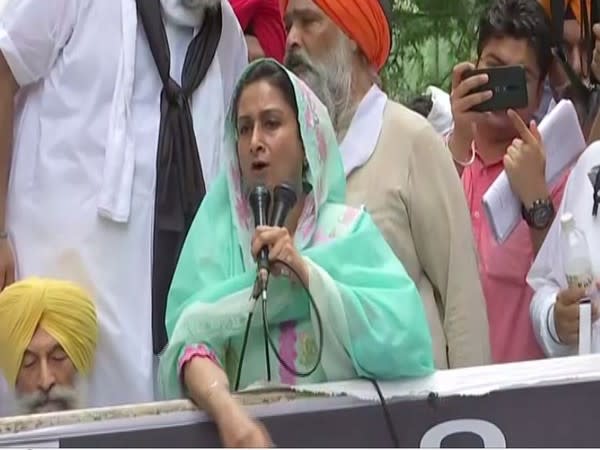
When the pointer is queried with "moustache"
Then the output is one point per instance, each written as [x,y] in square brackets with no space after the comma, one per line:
[59,398]
[298,60]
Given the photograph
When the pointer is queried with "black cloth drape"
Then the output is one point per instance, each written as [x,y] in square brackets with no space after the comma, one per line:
[179,181]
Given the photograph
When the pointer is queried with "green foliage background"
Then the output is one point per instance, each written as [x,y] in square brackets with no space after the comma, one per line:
[430,37]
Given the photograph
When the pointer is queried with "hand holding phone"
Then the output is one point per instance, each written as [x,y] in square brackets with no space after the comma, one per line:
[462,100]
[467,90]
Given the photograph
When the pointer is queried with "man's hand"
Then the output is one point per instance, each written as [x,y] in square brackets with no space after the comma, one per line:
[596,55]
[461,101]
[7,264]
[525,162]
[566,315]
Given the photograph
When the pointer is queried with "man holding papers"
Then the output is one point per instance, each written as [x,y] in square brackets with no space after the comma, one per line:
[484,144]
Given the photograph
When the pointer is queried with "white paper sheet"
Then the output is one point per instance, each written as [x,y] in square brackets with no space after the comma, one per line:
[563,142]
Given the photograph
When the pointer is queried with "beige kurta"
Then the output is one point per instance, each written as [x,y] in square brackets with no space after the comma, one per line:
[410,187]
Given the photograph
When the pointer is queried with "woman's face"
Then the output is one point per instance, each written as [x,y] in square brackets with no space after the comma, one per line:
[269,146]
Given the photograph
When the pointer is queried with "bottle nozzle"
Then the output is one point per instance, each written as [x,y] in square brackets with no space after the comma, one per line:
[567,221]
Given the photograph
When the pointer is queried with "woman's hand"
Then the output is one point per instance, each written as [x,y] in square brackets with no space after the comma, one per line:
[281,247]
[238,430]
[208,388]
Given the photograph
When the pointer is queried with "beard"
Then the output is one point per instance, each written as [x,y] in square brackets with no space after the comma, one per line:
[331,81]
[59,398]
[188,13]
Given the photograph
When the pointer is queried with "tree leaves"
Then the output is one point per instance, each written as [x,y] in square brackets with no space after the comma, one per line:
[430,37]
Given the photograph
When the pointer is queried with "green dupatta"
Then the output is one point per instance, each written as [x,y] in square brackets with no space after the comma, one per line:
[373,318]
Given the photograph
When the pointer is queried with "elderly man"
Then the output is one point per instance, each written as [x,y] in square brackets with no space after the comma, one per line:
[48,334]
[396,165]
[107,153]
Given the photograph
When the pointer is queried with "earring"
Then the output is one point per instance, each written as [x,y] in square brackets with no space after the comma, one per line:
[306,187]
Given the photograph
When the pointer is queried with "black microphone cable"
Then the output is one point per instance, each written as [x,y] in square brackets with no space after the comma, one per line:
[254,298]
[386,413]
[267,333]
[319,326]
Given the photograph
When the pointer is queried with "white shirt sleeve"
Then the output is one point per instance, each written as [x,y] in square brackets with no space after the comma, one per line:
[32,34]
[547,279]
[234,58]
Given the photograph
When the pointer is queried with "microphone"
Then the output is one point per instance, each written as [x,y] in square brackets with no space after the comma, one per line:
[284,200]
[260,200]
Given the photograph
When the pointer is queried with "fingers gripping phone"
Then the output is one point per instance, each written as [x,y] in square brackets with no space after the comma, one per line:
[508,85]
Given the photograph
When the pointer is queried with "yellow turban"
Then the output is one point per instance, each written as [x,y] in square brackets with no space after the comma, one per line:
[363,21]
[574,5]
[61,308]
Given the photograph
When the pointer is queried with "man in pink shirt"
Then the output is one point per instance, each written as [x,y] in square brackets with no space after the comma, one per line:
[512,32]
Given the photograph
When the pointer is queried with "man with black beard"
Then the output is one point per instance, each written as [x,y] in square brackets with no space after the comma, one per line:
[396,165]
[107,153]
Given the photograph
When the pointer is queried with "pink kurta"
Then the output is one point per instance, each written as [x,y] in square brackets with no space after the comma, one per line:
[503,269]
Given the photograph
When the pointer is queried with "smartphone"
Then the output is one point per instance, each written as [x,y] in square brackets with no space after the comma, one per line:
[509,87]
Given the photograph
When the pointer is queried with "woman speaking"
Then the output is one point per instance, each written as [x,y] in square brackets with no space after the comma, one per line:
[340,305]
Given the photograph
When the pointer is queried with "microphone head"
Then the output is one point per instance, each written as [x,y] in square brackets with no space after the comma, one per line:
[284,199]
[258,192]
[285,194]
[260,201]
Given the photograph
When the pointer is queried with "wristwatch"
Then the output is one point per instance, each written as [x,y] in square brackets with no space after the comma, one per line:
[539,216]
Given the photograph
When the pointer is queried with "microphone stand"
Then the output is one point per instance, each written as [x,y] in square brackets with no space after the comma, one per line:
[259,293]
[260,200]
[262,281]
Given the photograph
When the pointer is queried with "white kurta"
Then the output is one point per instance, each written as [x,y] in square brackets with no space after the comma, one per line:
[65,54]
[547,275]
